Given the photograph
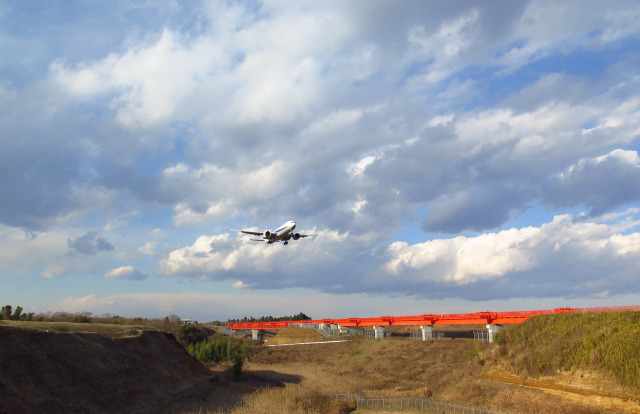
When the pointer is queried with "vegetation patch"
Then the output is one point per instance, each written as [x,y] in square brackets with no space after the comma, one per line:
[548,344]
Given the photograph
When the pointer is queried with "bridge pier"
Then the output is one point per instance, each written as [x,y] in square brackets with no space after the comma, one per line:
[255,334]
[427,332]
[378,332]
[492,330]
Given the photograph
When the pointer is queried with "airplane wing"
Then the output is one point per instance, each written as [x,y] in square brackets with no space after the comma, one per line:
[253,233]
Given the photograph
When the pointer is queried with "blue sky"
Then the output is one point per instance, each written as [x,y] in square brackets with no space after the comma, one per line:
[451,157]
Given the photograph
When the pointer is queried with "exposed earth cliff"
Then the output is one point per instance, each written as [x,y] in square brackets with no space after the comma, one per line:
[55,368]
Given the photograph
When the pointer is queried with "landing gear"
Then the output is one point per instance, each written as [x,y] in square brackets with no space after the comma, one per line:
[286,242]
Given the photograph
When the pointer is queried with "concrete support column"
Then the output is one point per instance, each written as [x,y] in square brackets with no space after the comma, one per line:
[255,334]
[427,332]
[492,330]
[379,332]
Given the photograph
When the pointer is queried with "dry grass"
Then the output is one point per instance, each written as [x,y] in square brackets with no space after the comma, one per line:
[295,336]
[446,370]
[109,331]
[606,341]
[299,379]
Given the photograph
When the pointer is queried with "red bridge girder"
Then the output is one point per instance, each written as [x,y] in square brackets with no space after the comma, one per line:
[478,318]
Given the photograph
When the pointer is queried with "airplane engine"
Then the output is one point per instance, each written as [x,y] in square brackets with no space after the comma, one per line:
[296,236]
[267,234]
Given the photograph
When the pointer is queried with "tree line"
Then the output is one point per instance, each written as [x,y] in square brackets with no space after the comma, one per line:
[168,323]
[8,313]
[297,317]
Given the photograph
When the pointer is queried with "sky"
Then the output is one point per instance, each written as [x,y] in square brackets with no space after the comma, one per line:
[451,157]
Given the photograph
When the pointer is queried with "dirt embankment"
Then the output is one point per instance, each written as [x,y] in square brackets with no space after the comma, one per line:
[583,387]
[50,371]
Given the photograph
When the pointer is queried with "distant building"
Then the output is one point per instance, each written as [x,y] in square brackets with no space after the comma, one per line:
[188,321]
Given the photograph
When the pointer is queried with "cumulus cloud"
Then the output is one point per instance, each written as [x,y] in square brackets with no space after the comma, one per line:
[218,257]
[397,124]
[563,248]
[578,257]
[125,272]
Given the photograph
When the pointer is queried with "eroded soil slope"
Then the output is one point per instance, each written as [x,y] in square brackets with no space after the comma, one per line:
[146,371]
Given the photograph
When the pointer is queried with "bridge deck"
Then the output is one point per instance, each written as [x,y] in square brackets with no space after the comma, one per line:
[477,318]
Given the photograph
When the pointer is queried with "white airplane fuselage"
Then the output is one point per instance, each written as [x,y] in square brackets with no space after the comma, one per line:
[282,233]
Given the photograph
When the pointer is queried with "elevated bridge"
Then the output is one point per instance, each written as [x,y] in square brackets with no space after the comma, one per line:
[492,320]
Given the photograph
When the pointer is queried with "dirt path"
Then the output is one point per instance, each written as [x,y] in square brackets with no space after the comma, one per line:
[580,388]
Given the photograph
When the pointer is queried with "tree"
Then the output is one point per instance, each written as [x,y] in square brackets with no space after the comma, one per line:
[6,312]
[17,313]
[172,325]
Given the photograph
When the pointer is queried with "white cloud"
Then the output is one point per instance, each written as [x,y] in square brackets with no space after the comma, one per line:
[463,260]
[444,46]
[218,257]
[150,81]
[214,212]
[358,168]
[125,272]
[440,118]
[22,252]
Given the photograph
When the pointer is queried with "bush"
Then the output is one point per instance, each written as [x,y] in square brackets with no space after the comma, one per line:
[219,350]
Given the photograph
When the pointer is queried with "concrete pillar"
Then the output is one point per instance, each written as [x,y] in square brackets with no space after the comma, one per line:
[379,332]
[427,332]
[255,334]
[492,330]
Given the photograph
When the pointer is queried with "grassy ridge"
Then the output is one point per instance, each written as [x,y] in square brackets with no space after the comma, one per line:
[109,331]
[544,345]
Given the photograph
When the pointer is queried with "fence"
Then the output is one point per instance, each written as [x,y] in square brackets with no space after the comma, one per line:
[417,336]
[411,404]
[372,334]
[481,336]
[333,333]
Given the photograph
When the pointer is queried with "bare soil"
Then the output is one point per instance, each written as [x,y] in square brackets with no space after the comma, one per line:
[56,367]
[584,387]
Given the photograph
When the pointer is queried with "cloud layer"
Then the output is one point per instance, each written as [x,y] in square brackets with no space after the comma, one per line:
[440,150]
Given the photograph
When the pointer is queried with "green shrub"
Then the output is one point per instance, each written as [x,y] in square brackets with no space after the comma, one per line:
[219,350]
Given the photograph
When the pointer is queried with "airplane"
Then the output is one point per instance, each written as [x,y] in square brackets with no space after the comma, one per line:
[282,233]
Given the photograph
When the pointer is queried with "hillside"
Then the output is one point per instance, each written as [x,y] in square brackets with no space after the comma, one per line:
[85,368]
[607,342]
[550,364]
[581,363]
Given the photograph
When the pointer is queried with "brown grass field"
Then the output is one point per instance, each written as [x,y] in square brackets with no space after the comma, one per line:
[89,367]
[107,330]
[300,379]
